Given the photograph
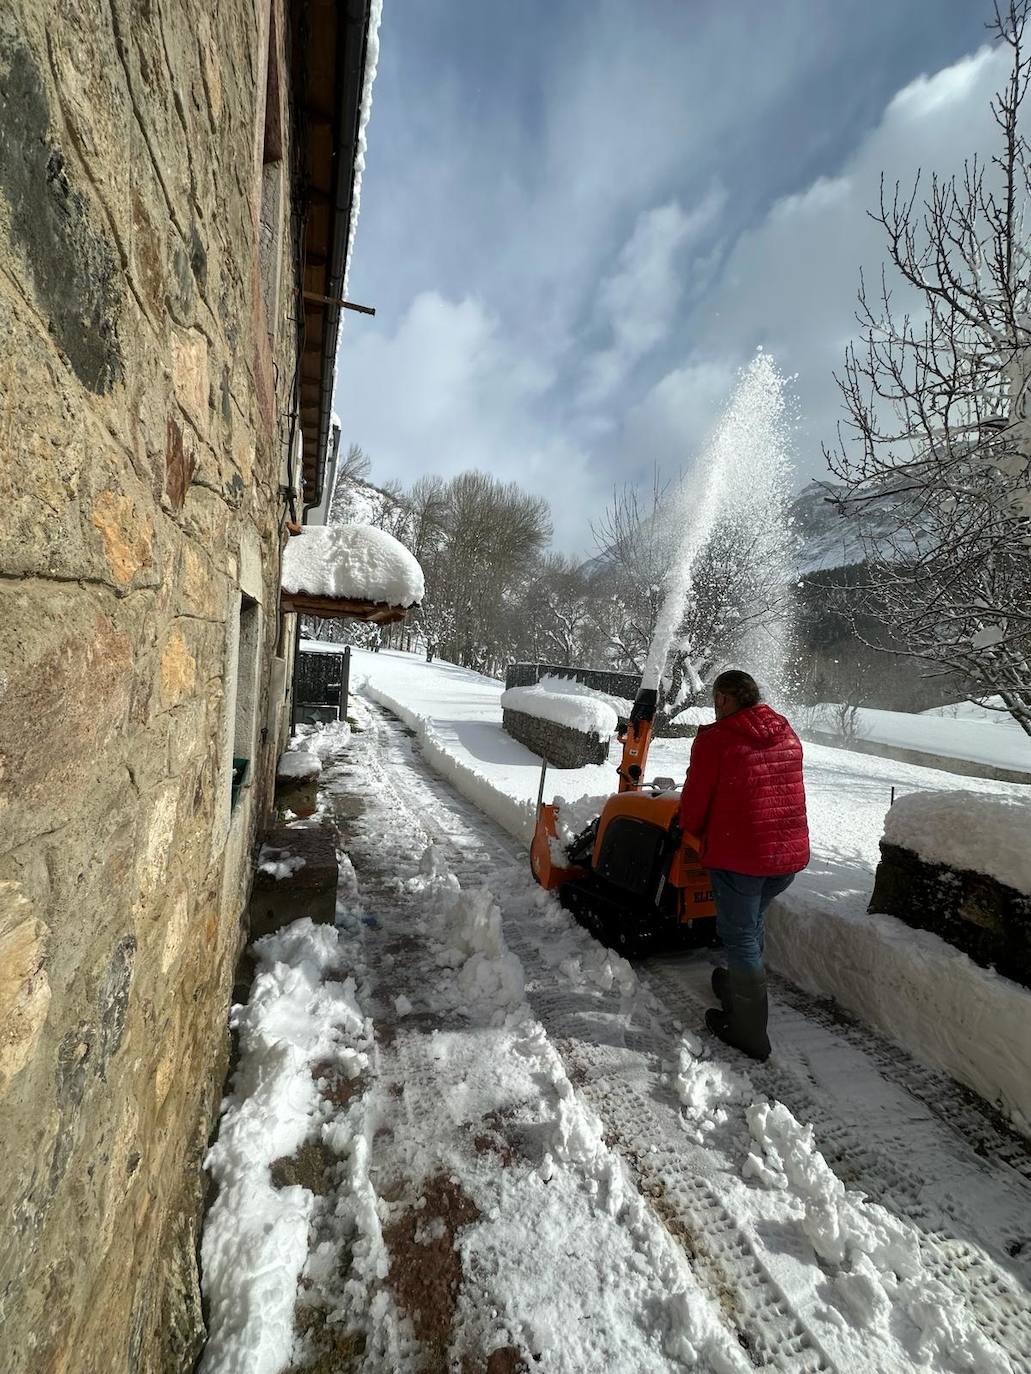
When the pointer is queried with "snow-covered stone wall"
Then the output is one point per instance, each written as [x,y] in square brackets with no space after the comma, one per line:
[959,864]
[140,466]
[562,745]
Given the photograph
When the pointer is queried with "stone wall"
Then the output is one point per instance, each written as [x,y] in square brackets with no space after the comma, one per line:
[140,464]
[972,912]
[598,679]
[561,745]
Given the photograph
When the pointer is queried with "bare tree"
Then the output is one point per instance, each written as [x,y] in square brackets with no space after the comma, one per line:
[357,465]
[560,598]
[938,411]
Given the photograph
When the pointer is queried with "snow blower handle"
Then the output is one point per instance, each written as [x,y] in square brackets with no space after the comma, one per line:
[540,789]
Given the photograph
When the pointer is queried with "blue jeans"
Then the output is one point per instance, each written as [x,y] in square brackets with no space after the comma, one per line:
[741,902]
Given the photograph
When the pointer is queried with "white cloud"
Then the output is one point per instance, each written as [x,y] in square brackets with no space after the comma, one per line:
[639,301]
[669,426]
[556,305]
[447,391]
[790,283]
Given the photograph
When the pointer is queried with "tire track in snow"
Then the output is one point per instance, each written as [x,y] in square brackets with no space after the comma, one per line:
[688,1205]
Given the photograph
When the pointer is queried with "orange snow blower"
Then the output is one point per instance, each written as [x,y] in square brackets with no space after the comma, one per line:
[629,876]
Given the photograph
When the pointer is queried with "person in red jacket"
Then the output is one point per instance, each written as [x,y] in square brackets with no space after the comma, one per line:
[744,800]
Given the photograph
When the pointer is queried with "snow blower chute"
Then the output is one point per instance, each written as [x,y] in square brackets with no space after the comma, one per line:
[628,876]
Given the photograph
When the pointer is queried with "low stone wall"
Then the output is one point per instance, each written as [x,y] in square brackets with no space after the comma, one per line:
[598,679]
[974,913]
[562,746]
[965,768]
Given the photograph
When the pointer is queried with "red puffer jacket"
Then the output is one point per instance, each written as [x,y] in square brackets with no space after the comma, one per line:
[744,795]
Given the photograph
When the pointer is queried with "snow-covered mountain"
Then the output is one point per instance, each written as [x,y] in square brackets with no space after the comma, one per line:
[829,539]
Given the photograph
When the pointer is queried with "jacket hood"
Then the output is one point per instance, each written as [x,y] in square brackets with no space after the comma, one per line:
[760,725]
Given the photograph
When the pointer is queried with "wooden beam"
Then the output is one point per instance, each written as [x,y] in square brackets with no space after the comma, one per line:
[341,608]
[313,298]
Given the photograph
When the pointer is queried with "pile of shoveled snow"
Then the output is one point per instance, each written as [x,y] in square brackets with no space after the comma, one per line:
[966,830]
[256,1235]
[298,764]
[587,713]
[878,1279]
[354,563]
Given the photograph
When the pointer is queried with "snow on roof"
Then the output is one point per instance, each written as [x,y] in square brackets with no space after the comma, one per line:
[352,562]
[588,714]
[966,830]
[371,66]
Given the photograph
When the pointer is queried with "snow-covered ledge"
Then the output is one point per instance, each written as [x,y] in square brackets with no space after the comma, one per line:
[561,722]
[350,570]
[576,709]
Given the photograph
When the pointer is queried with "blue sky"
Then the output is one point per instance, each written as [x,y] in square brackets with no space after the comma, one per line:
[580,217]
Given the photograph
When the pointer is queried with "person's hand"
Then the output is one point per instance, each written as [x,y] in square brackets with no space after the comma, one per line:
[675,833]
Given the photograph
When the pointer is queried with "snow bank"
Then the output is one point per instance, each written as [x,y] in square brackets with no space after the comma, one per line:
[321,740]
[555,682]
[468,926]
[990,709]
[299,764]
[256,1236]
[586,713]
[910,984]
[967,830]
[354,562]
[966,736]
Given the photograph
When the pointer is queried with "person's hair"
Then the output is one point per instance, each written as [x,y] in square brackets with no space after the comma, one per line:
[740,687]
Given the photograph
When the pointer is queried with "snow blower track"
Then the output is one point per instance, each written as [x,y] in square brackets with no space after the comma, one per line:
[903,1135]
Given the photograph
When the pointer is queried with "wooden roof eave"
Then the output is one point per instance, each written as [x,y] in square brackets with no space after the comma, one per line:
[343,608]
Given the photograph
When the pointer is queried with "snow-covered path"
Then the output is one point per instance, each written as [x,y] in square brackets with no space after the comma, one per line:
[886,1126]
[542,1165]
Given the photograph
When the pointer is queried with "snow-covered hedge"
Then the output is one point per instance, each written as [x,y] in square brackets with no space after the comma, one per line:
[970,831]
[353,562]
[577,709]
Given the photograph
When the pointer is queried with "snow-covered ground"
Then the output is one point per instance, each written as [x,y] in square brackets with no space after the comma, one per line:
[976,735]
[910,984]
[464,1136]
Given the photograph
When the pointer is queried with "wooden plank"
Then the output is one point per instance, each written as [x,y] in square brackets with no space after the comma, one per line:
[339,608]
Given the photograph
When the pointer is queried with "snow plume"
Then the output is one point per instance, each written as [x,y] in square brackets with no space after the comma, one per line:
[738,489]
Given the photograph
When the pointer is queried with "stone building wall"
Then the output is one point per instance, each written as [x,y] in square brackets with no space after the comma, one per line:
[141,452]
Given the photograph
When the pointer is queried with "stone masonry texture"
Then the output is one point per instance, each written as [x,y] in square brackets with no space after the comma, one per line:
[562,746]
[141,440]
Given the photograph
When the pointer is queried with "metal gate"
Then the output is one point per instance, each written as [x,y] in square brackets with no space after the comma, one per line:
[320,686]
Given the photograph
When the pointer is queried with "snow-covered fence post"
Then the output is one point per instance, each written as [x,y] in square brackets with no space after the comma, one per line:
[345,682]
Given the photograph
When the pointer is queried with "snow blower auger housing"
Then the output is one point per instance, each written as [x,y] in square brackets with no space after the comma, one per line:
[629,877]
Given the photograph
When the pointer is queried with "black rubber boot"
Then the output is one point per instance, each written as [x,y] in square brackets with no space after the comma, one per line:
[744,1025]
[721,988]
